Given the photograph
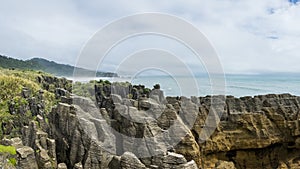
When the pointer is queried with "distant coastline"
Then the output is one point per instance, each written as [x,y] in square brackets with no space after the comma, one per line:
[47,66]
[236,85]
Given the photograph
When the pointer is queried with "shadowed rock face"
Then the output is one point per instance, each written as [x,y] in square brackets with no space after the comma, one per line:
[254,132]
[82,136]
[74,146]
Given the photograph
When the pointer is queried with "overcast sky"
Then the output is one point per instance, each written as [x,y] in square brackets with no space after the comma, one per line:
[250,36]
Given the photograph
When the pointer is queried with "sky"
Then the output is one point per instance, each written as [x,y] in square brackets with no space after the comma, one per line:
[249,36]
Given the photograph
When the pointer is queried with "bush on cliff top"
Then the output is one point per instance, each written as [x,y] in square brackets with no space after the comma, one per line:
[11,88]
[25,74]
[12,83]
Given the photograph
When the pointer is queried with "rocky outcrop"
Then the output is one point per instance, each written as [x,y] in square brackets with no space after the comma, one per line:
[50,83]
[88,136]
[25,155]
[130,161]
[23,110]
[171,160]
[255,132]
[75,147]
[43,147]
[26,158]
[132,127]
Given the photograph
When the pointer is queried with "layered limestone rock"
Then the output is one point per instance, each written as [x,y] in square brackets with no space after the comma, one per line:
[134,128]
[44,147]
[26,158]
[255,132]
[35,149]
[50,83]
[171,160]
[88,136]
[75,147]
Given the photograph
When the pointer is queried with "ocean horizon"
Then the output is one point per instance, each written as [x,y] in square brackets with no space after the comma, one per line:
[235,84]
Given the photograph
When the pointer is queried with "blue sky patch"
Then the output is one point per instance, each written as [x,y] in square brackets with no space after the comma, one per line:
[294,1]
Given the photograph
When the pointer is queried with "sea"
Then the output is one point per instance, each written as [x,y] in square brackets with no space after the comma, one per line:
[234,85]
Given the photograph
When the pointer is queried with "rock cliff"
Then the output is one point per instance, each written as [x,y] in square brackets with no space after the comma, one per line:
[130,127]
[255,132]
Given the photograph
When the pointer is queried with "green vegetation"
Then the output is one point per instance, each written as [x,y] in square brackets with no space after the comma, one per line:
[12,83]
[84,89]
[10,151]
[7,62]
[12,161]
[88,89]
[7,149]
[25,74]
[47,66]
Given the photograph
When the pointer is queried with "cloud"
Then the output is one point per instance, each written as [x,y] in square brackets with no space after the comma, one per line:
[250,36]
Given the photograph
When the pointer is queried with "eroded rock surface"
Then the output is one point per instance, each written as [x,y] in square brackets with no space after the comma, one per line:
[255,132]
[139,129]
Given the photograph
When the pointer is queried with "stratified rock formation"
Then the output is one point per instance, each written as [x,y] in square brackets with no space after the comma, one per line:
[255,132]
[131,127]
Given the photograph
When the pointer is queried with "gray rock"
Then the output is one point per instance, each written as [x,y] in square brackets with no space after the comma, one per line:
[16,142]
[48,165]
[26,93]
[65,99]
[144,104]
[42,123]
[115,162]
[26,158]
[51,149]
[188,165]
[62,166]
[29,134]
[297,143]
[130,161]
[78,166]
[174,159]
[80,134]
[159,94]
[4,163]
[116,98]
[43,158]
[61,92]
[41,138]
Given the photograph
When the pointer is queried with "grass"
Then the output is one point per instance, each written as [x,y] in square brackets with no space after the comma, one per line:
[11,151]
[8,149]
[25,74]
[13,161]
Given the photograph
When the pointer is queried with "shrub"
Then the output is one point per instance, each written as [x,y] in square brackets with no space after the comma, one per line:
[12,83]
